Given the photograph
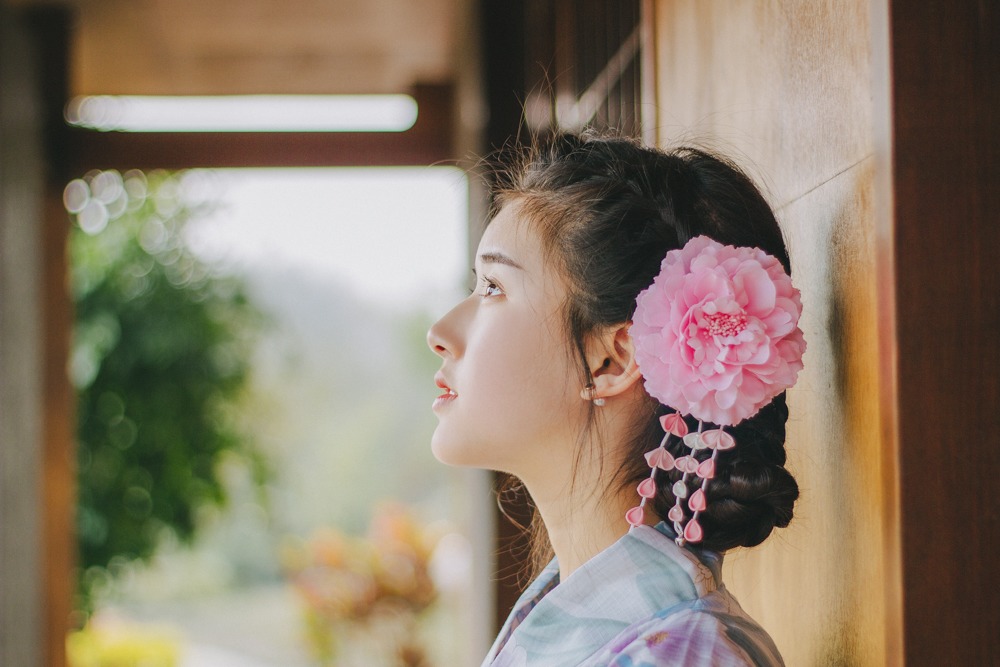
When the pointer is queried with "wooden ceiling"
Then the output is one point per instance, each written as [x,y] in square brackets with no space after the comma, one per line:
[202,47]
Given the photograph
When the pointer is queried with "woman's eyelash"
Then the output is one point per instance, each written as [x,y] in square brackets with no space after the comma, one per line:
[488,286]
[485,286]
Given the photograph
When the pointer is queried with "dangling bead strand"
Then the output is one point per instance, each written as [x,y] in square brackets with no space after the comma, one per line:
[687,464]
[716,440]
[658,459]
[688,530]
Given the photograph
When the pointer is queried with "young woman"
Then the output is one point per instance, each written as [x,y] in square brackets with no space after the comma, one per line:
[624,355]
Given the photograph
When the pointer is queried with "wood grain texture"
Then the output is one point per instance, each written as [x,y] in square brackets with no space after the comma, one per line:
[57,492]
[785,89]
[21,397]
[945,244]
[880,146]
[191,47]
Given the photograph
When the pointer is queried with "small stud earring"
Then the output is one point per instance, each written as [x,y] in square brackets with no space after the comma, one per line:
[596,400]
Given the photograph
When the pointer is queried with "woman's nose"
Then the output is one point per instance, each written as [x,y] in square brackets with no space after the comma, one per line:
[435,341]
[444,337]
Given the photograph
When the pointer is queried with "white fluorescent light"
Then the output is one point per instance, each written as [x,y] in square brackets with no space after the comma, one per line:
[244,113]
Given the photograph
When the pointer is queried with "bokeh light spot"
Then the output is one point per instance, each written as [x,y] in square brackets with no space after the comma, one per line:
[76,195]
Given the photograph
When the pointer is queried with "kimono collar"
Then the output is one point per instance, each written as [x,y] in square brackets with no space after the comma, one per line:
[642,573]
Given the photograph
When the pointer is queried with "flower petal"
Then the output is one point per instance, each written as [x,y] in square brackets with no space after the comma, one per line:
[660,458]
[635,516]
[694,441]
[706,469]
[693,531]
[687,464]
[697,501]
[718,439]
[674,423]
[722,378]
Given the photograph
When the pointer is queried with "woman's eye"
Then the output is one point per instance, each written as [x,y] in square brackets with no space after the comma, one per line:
[490,288]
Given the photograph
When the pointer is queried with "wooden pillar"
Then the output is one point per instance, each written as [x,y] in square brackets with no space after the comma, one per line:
[58,487]
[21,395]
[36,400]
[939,243]
[51,27]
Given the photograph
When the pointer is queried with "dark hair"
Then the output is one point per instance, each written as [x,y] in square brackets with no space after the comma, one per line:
[608,210]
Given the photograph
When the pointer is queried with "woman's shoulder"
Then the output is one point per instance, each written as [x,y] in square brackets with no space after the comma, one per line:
[643,602]
[709,628]
[710,631]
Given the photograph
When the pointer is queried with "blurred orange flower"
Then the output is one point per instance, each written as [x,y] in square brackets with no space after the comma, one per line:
[360,583]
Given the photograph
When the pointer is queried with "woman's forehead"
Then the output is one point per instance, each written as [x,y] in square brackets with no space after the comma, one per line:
[513,235]
[510,235]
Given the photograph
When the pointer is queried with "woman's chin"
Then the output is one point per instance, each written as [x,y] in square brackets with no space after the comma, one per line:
[455,453]
[448,454]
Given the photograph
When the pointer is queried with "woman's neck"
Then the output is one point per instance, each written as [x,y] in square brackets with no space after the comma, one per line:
[585,534]
[583,514]
[581,519]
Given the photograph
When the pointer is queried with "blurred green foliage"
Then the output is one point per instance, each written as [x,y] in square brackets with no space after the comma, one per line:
[160,358]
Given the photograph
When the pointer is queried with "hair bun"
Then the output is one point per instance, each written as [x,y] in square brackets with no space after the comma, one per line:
[747,502]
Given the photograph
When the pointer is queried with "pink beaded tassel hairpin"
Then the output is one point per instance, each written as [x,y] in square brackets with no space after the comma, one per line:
[716,337]
[704,470]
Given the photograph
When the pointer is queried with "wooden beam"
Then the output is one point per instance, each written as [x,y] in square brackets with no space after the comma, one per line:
[428,142]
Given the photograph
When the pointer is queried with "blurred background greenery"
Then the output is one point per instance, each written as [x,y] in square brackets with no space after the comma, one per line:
[231,416]
[160,362]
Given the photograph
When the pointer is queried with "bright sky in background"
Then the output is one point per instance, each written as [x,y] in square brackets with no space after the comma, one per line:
[395,235]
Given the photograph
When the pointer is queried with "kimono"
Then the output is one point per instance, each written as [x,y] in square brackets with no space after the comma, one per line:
[642,602]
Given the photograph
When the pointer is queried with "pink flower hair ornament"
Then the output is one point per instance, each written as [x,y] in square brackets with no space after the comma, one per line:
[716,337]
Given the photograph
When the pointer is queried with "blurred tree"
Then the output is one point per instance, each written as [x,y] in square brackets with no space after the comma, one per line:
[160,356]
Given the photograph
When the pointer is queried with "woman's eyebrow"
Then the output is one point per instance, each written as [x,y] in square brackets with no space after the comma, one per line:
[498,258]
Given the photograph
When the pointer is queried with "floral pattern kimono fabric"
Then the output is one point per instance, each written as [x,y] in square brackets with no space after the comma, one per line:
[642,602]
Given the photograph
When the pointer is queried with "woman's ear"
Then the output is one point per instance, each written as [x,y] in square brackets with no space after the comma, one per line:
[611,357]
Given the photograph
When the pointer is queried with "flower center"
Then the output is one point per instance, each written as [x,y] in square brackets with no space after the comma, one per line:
[723,324]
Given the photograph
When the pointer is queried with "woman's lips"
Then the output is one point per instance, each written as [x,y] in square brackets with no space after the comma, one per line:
[448,395]
[444,399]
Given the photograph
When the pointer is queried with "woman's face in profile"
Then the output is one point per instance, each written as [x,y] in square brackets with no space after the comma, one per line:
[510,390]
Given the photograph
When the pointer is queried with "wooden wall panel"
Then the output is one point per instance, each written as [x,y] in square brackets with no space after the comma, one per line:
[785,88]
[876,126]
[942,235]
